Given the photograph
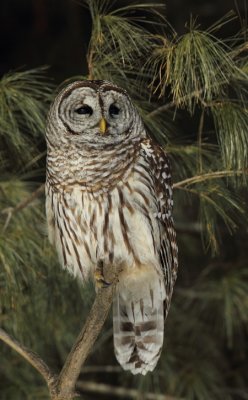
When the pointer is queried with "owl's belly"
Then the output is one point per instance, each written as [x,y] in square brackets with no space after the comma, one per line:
[117,227]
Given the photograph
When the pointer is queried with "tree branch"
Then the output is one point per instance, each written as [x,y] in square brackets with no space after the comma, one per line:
[239,50]
[62,387]
[109,390]
[200,132]
[90,57]
[207,176]
[65,385]
[173,103]
[10,211]
[109,369]
[160,109]
[30,356]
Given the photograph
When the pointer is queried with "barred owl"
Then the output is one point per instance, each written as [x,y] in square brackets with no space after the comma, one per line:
[109,203]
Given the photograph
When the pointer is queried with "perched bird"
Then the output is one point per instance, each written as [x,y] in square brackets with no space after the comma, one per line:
[109,203]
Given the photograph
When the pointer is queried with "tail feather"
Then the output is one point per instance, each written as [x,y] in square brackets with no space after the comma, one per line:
[138,322]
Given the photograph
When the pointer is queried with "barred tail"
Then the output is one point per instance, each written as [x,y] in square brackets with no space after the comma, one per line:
[138,324]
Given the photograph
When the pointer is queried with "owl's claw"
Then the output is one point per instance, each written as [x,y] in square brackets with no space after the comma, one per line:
[99,279]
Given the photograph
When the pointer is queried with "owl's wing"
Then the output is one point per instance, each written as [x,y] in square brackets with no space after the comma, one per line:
[161,174]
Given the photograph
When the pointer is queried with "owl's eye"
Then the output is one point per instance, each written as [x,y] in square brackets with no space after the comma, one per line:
[84,110]
[113,110]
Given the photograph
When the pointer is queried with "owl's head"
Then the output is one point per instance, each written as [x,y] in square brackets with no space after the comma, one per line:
[96,113]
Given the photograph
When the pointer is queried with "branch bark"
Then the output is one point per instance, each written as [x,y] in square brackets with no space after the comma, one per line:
[65,385]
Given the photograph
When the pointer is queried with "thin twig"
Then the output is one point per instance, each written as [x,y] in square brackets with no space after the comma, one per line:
[200,132]
[90,57]
[162,108]
[173,103]
[189,228]
[239,50]
[109,390]
[29,355]
[10,211]
[207,176]
[109,369]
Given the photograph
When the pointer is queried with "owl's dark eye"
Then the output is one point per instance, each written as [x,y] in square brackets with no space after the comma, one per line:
[113,110]
[84,110]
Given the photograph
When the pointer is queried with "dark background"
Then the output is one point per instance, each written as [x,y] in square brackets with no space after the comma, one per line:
[56,32]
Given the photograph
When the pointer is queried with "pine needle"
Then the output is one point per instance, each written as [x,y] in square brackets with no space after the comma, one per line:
[194,63]
[231,121]
[23,105]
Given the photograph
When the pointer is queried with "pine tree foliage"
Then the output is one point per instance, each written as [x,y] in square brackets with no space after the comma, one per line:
[231,121]
[23,101]
[192,93]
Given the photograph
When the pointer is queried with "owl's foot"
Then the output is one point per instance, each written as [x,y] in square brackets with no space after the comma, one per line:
[99,277]
[100,282]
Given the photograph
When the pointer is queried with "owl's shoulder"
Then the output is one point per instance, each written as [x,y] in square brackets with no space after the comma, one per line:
[160,171]
[157,158]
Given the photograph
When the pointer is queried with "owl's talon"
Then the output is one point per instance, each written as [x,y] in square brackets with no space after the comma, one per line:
[101,283]
[99,279]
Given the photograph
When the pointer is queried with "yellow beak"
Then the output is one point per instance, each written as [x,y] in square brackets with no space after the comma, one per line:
[103,125]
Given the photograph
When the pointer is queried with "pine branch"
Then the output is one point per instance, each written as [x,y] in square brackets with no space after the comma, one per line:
[62,387]
[110,369]
[90,63]
[174,103]
[207,176]
[160,109]
[241,49]
[30,356]
[10,211]
[120,392]
[200,133]
[86,339]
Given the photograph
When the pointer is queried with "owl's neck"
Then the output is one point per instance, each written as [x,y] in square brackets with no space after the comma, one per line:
[94,170]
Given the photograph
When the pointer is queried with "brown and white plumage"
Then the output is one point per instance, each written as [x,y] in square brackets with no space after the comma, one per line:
[109,202]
